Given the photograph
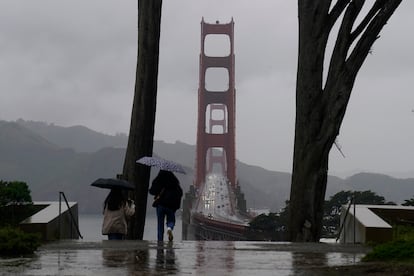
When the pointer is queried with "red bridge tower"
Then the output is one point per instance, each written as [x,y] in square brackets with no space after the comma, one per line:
[216,109]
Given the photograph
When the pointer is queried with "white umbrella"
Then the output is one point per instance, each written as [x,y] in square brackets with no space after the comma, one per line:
[162,164]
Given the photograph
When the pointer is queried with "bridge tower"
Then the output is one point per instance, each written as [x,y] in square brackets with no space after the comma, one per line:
[216,108]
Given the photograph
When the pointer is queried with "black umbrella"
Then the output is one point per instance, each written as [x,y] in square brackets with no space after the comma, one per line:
[112,183]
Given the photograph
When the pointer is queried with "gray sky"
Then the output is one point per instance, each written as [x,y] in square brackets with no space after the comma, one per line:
[73,63]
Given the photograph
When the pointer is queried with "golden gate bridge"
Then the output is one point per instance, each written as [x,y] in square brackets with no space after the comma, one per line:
[214,208]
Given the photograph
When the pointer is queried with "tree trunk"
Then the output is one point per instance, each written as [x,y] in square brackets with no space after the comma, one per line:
[320,107]
[141,134]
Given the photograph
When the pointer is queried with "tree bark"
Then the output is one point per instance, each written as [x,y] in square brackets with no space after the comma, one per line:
[320,107]
[141,134]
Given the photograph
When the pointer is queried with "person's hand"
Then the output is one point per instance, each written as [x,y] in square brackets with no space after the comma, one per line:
[131,204]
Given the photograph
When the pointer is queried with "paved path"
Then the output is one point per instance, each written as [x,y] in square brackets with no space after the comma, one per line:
[182,258]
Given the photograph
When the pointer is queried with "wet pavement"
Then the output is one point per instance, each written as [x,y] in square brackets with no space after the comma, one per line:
[182,258]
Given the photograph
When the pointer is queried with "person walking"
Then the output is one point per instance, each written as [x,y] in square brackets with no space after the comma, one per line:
[167,200]
[117,210]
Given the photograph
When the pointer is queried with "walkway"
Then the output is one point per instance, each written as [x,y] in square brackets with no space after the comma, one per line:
[182,258]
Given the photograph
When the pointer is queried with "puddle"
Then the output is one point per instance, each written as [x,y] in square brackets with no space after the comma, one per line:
[180,258]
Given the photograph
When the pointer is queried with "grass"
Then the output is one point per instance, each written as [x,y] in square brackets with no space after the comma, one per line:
[395,251]
[400,250]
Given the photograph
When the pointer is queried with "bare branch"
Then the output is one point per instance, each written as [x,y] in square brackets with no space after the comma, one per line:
[364,23]
[338,146]
[319,18]
[343,43]
[337,11]
[371,33]
[319,7]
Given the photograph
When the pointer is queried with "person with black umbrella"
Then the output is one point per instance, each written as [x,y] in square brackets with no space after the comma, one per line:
[117,209]
[167,199]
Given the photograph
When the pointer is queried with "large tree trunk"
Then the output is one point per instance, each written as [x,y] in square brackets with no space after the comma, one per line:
[320,107]
[141,134]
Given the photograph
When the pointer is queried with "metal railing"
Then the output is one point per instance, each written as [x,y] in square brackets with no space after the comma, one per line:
[351,202]
[71,216]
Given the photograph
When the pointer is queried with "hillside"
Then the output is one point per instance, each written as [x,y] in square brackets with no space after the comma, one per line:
[78,138]
[42,155]
[393,189]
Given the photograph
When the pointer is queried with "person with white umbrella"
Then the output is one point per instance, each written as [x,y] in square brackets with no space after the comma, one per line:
[167,199]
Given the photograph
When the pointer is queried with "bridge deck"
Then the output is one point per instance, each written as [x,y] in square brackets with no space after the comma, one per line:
[217,201]
[214,216]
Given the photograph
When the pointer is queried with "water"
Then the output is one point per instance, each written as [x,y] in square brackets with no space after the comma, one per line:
[90,226]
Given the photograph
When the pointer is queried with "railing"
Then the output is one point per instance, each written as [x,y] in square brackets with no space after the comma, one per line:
[352,201]
[71,215]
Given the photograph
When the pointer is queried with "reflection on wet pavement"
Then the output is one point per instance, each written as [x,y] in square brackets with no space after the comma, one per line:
[165,260]
[180,258]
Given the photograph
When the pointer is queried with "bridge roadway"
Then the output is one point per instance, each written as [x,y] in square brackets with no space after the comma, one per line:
[216,201]
[215,216]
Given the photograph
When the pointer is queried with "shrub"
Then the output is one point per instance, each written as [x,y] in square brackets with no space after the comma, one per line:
[14,192]
[399,251]
[14,242]
[403,232]
[15,202]
[265,222]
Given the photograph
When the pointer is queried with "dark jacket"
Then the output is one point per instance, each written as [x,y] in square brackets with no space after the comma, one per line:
[168,187]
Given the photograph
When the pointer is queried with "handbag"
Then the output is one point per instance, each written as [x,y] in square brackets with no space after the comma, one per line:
[157,199]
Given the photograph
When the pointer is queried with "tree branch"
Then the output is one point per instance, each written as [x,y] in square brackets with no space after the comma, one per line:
[343,41]
[336,11]
[371,33]
[342,73]
[364,23]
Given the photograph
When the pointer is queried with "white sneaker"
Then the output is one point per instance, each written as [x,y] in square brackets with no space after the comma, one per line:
[170,234]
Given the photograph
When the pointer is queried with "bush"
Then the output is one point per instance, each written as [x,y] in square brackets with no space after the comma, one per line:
[397,251]
[403,232]
[14,242]
[14,192]
[270,222]
[15,203]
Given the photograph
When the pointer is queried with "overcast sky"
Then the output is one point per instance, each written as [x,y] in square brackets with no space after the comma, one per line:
[73,63]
